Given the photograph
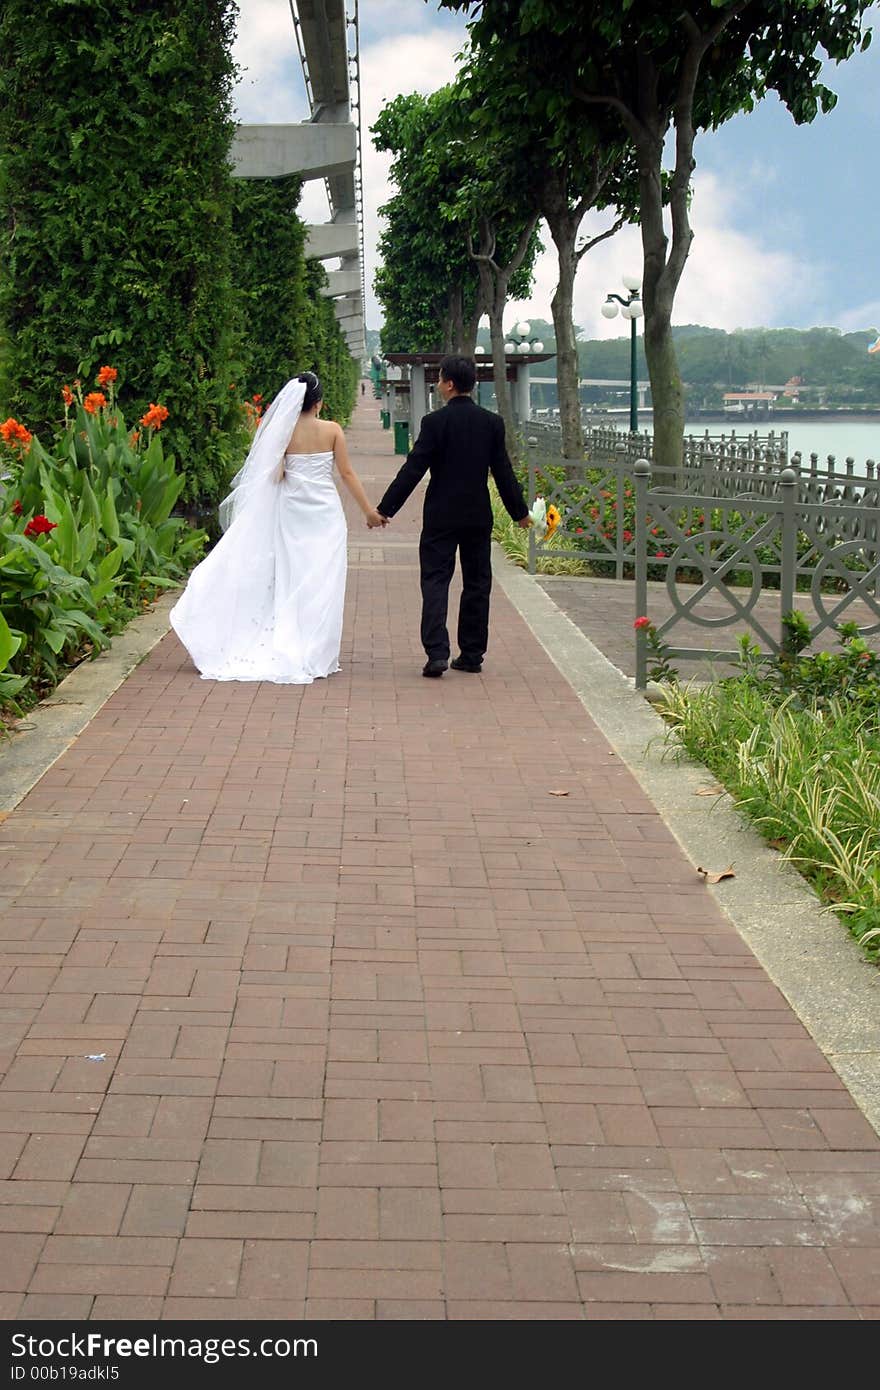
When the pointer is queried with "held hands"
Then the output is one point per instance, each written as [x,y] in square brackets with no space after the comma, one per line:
[525,522]
[375,519]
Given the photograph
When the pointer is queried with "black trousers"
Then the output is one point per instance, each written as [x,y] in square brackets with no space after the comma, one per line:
[437,548]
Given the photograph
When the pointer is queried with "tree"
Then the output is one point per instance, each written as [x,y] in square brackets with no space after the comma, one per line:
[459,211]
[573,165]
[658,68]
[427,283]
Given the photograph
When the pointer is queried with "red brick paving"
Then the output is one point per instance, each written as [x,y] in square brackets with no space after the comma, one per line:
[387,1030]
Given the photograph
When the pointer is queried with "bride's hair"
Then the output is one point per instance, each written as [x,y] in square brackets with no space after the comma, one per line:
[314,390]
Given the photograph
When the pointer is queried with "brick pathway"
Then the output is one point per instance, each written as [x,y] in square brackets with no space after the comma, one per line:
[315,1002]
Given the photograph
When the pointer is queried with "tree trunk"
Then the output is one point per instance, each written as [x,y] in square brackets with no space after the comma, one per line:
[567,366]
[471,327]
[563,221]
[495,293]
[658,294]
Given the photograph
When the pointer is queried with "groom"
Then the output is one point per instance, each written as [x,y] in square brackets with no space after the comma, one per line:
[461,445]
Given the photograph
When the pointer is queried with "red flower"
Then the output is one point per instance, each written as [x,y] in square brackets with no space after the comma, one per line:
[106,375]
[16,508]
[655,531]
[661,555]
[39,526]
[627,535]
[579,531]
[94,402]
[642,622]
[67,395]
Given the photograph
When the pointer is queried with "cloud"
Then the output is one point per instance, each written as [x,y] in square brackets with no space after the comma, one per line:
[272,87]
[730,280]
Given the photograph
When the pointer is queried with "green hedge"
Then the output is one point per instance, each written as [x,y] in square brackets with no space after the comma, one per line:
[126,240]
[115,129]
[289,325]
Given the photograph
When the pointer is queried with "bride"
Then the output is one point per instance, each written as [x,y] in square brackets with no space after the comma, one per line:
[266,603]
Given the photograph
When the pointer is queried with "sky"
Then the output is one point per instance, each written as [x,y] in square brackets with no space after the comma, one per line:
[785,218]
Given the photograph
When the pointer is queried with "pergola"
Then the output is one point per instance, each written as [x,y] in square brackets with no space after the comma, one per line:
[424,372]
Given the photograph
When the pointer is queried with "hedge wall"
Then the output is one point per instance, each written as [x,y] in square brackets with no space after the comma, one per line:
[289,325]
[115,128]
[124,238]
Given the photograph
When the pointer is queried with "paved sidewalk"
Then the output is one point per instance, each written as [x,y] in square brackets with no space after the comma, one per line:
[318,1002]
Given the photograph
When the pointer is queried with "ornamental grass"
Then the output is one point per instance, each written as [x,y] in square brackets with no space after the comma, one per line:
[796,742]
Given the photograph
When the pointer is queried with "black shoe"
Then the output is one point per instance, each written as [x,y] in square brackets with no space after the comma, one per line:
[465,663]
[434,666]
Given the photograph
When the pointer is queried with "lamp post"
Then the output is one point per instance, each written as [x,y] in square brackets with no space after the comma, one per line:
[630,308]
[479,351]
[519,343]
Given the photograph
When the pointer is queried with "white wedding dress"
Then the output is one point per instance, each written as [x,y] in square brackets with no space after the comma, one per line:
[266,603]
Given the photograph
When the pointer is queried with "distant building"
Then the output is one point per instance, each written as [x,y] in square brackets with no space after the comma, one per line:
[748,402]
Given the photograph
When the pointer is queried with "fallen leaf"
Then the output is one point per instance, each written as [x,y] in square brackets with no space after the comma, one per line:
[711,877]
[709,791]
[556,793]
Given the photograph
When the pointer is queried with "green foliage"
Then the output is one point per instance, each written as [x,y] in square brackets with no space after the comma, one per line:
[115,129]
[828,362]
[445,178]
[796,741]
[104,543]
[656,69]
[289,325]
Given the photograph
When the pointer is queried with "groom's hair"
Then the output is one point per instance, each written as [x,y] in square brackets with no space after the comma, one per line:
[314,390]
[461,372]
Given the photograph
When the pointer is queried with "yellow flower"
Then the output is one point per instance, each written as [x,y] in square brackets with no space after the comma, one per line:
[553,520]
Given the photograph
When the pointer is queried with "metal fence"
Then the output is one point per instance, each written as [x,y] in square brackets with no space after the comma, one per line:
[595,495]
[833,541]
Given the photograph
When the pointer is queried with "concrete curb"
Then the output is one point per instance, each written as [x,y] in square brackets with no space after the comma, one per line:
[50,729]
[806,953]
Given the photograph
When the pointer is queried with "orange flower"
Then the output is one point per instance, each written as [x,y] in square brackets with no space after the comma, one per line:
[106,375]
[134,437]
[553,520]
[94,402]
[67,395]
[14,433]
[154,417]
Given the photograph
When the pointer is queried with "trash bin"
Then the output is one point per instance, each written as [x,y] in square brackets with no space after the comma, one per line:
[386,419]
[401,436]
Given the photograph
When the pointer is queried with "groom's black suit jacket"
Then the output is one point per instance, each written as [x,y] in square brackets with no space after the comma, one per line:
[461,445]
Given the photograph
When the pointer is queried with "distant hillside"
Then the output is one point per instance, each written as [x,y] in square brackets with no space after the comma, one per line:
[835,368]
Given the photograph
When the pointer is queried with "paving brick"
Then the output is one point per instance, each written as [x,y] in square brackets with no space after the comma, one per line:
[389,1040]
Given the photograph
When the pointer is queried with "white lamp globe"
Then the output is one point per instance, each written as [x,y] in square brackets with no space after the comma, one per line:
[510,347]
[631,282]
[479,350]
[524,347]
[626,311]
[635,309]
[609,310]
[537,347]
[523,329]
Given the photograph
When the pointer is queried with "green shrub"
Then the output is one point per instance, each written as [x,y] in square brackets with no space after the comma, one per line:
[796,741]
[87,536]
[115,130]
